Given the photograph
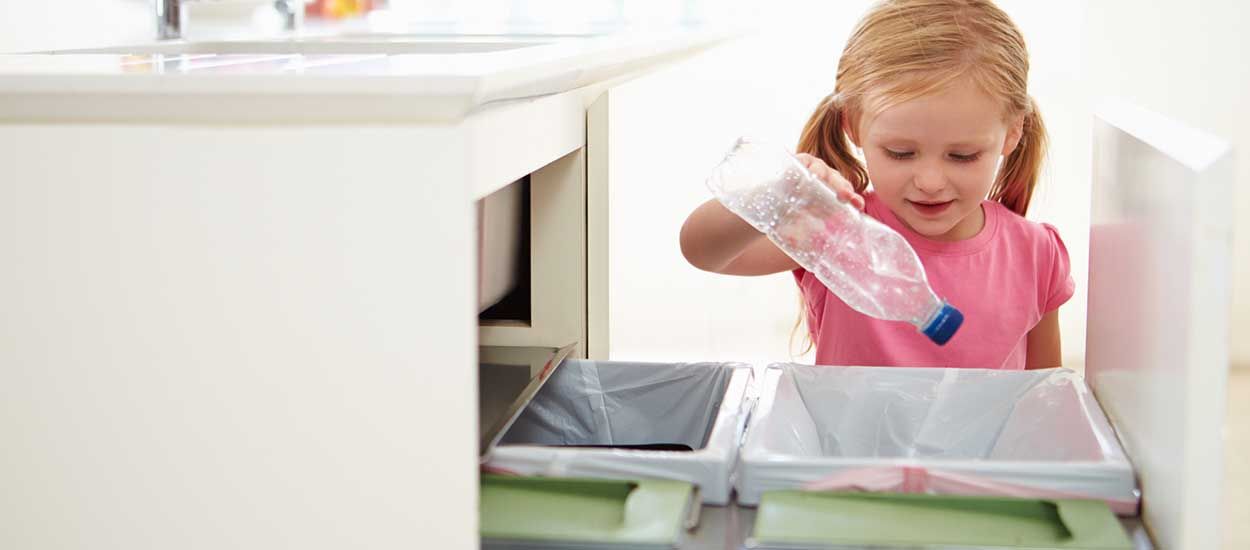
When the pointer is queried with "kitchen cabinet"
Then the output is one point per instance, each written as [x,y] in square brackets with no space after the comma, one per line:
[239,295]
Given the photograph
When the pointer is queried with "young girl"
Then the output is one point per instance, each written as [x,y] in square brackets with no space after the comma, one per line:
[934,95]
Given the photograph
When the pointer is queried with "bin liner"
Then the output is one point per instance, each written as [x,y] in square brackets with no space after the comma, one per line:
[702,406]
[1020,430]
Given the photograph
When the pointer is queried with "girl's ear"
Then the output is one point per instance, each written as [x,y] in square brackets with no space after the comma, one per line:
[1015,130]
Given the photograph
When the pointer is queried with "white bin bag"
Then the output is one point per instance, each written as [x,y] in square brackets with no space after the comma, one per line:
[972,431]
[699,405]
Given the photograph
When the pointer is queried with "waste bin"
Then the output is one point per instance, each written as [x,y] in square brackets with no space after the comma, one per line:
[931,430]
[628,420]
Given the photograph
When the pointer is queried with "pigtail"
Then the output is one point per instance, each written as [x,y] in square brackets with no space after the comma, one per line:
[824,137]
[800,325]
[1022,169]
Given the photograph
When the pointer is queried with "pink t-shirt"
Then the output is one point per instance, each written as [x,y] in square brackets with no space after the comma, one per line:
[1004,280]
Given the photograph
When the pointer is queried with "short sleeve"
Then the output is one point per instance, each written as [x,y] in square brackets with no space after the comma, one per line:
[1060,286]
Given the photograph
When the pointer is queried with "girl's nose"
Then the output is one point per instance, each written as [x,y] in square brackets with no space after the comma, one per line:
[930,179]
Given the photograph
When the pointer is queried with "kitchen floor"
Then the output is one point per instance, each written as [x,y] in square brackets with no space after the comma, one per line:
[1237,462]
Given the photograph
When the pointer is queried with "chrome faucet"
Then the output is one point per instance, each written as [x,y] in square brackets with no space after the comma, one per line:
[170,16]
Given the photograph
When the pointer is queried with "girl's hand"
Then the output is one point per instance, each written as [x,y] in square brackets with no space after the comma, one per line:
[833,179]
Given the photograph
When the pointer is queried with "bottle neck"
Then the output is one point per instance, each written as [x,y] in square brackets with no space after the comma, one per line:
[931,315]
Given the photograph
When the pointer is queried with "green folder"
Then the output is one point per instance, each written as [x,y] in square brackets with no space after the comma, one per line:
[803,519]
[584,513]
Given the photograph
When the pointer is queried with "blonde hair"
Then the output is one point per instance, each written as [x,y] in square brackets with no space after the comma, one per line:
[904,49]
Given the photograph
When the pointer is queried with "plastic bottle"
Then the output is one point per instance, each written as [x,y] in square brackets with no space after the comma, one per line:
[864,262]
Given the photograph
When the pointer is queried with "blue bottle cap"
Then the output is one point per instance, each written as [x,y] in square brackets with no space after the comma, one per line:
[944,324]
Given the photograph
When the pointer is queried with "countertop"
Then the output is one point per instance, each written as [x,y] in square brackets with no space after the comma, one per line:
[444,78]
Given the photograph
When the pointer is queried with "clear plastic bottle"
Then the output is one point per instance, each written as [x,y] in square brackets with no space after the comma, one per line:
[864,262]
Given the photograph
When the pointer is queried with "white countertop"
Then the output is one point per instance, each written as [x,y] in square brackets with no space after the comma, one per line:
[408,86]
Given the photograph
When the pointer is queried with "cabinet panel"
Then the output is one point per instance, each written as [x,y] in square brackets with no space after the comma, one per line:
[557,262]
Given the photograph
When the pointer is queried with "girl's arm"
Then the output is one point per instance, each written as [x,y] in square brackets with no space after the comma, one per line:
[715,239]
[1042,347]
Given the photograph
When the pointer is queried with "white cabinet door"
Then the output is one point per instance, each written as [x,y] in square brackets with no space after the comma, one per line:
[234,337]
[1157,349]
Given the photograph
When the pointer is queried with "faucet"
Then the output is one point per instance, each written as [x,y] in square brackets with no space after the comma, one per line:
[170,15]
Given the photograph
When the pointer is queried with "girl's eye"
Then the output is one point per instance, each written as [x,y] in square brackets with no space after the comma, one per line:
[965,158]
[899,155]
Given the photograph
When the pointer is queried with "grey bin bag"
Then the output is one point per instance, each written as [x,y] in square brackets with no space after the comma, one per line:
[613,403]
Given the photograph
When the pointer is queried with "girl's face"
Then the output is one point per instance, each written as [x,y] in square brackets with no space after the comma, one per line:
[934,158]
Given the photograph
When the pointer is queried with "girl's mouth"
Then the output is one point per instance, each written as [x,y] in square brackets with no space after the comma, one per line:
[931,209]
